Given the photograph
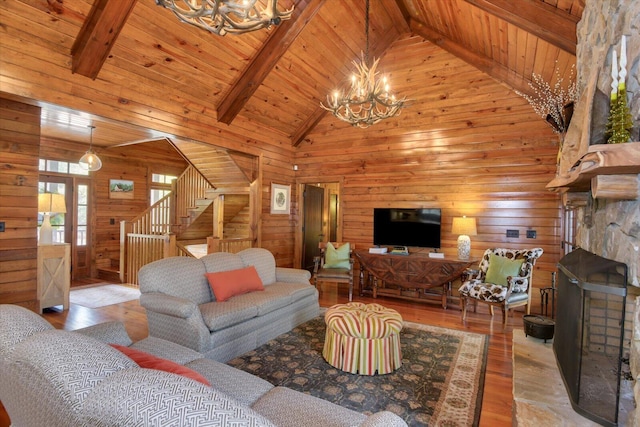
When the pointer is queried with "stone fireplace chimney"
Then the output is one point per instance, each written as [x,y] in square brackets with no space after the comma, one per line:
[608,224]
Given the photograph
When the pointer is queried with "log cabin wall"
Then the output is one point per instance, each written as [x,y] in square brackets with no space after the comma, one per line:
[19,145]
[135,163]
[466,144]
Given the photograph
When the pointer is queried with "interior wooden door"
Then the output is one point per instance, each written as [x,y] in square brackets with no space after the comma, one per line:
[313,226]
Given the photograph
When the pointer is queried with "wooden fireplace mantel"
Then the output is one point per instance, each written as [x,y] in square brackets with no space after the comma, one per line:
[608,170]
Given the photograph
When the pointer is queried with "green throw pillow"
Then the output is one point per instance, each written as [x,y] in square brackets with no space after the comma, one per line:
[336,258]
[500,268]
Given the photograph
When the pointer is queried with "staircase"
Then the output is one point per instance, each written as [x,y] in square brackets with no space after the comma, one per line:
[182,218]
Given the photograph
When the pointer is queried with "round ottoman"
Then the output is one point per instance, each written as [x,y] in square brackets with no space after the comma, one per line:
[363,338]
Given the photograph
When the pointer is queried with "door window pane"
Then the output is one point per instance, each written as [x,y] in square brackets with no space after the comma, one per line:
[82,214]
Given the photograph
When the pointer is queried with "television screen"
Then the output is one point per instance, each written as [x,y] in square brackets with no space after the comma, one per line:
[406,227]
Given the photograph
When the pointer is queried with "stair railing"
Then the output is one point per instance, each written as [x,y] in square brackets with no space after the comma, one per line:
[189,187]
[139,237]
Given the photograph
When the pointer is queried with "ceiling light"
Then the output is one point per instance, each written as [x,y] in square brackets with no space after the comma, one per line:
[368,98]
[227,16]
[90,161]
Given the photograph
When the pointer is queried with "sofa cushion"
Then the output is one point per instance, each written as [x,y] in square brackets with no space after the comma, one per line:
[145,397]
[263,261]
[149,361]
[288,408]
[241,386]
[181,277]
[226,284]
[218,316]
[167,350]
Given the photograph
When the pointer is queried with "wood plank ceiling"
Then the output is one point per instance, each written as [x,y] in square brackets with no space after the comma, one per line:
[277,78]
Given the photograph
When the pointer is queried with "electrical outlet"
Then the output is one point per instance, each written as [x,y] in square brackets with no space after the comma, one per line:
[112,221]
[531,234]
[1,226]
[513,233]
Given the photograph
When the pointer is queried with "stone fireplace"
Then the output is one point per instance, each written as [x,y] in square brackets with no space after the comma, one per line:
[608,225]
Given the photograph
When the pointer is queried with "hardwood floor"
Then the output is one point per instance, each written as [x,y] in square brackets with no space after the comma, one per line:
[497,399]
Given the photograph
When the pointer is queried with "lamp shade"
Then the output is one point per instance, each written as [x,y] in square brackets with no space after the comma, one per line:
[464,225]
[52,203]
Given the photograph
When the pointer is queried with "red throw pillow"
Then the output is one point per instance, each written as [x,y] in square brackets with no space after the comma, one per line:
[149,361]
[226,284]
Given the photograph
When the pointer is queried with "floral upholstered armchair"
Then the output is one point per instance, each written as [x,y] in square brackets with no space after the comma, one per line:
[504,279]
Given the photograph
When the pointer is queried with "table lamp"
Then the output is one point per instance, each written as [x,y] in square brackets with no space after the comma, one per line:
[464,227]
[49,203]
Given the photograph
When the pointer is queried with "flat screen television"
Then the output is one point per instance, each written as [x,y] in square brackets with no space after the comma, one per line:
[407,227]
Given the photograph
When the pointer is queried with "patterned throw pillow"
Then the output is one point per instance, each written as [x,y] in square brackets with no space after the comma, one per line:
[500,268]
[337,258]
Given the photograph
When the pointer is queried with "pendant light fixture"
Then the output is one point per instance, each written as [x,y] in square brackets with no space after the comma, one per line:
[90,161]
[368,98]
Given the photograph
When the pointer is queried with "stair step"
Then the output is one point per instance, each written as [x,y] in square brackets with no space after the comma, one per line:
[111,274]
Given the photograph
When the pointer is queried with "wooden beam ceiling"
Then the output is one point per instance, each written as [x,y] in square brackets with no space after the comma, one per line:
[536,17]
[268,56]
[98,35]
[483,63]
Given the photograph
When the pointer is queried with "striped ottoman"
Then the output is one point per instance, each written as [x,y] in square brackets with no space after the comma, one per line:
[363,338]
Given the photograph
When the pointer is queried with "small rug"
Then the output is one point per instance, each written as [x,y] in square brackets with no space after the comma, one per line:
[103,295]
[440,382]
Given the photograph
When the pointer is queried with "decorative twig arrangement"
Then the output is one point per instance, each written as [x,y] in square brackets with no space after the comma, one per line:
[554,104]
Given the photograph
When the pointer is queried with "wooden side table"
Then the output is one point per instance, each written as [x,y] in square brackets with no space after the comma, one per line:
[54,275]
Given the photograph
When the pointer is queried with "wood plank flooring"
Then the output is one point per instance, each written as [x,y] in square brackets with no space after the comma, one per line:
[497,400]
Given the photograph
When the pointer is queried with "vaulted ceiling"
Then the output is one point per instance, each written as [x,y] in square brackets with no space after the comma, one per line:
[278,77]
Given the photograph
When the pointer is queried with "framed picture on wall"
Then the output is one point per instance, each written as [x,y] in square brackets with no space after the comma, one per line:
[280,198]
[120,189]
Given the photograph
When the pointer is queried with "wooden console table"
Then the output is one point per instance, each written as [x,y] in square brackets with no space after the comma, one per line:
[408,276]
[54,275]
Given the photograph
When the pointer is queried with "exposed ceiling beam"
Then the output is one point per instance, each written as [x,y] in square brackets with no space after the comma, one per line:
[266,59]
[536,17]
[483,63]
[378,47]
[98,35]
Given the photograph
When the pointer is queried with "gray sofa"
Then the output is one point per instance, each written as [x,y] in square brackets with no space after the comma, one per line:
[182,308]
[60,378]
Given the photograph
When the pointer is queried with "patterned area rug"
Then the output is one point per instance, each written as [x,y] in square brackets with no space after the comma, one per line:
[103,295]
[440,382]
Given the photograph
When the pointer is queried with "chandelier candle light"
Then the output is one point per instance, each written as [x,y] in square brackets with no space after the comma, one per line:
[227,16]
[368,99]
[465,227]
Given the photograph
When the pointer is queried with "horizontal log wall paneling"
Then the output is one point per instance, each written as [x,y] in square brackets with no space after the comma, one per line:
[19,147]
[465,144]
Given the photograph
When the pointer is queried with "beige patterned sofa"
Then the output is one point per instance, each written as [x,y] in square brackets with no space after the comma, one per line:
[50,377]
[182,308]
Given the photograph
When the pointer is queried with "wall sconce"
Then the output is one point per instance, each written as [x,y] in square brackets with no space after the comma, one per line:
[49,203]
[465,227]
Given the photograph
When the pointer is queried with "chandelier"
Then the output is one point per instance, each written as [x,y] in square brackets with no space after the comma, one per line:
[227,16]
[367,100]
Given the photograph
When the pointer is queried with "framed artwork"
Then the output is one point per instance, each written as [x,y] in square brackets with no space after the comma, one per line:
[280,198]
[120,189]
